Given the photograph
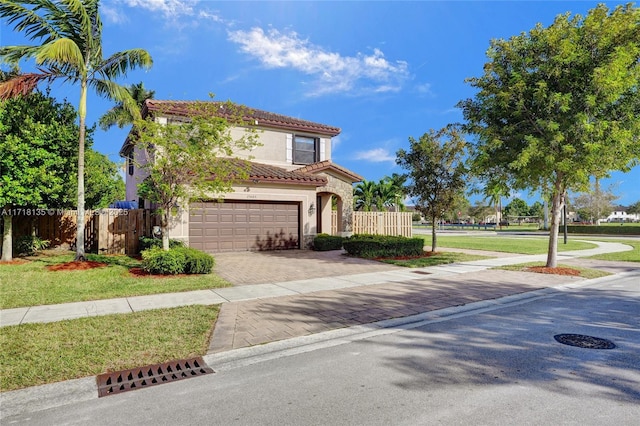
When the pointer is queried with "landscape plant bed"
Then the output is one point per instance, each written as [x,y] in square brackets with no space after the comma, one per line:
[429,258]
[33,283]
[35,354]
[540,268]
[76,265]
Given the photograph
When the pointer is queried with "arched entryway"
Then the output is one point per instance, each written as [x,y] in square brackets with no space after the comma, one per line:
[329,217]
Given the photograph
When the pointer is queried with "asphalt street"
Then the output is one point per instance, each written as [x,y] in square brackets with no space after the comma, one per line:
[495,365]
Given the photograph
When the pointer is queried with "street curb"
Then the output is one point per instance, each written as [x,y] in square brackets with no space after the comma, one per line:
[38,398]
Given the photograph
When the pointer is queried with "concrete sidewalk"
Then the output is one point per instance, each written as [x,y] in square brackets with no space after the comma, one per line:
[324,288]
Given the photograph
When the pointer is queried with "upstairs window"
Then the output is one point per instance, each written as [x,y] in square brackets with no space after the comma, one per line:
[305,149]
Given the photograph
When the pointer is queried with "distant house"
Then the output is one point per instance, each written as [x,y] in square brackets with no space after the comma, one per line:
[620,214]
[285,202]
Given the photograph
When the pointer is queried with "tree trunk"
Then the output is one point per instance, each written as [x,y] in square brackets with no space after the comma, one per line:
[165,228]
[82,112]
[434,242]
[557,203]
[7,238]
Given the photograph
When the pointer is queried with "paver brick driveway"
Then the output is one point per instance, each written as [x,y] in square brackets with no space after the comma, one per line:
[241,268]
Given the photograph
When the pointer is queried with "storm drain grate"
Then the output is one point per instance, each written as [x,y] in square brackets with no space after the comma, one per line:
[421,272]
[582,341]
[151,375]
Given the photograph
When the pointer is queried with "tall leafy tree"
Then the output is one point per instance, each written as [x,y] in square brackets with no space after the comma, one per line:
[38,139]
[559,104]
[192,157]
[104,183]
[68,36]
[121,116]
[436,172]
[517,207]
[594,203]
[634,208]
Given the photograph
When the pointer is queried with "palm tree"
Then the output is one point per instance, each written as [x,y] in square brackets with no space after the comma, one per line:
[70,33]
[386,195]
[121,116]
[364,195]
[400,191]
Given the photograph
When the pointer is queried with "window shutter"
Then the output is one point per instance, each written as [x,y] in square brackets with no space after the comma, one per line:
[323,143]
[289,148]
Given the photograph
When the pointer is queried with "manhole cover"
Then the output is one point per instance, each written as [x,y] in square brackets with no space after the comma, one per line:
[151,375]
[421,272]
[582,341]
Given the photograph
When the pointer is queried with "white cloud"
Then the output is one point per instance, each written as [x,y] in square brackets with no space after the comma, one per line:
[169,8]
[333,72]
[425,89]
[376,155]
[113,14]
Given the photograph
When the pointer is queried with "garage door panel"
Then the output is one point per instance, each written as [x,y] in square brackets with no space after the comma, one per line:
[238,226]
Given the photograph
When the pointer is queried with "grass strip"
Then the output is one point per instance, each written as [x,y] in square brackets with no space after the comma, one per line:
[526,245]
[441,258]
[32,284]
[587,273]
[622,256]
[35,354]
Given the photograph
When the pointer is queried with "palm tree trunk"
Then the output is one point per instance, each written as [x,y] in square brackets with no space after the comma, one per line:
[7,240]
[82,112]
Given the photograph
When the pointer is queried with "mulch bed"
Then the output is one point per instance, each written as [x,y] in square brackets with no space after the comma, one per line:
[14,262]
[141,273]
[556,271]
[425,254]
[76,266]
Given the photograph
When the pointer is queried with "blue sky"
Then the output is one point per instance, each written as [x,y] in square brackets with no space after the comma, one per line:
[381,71]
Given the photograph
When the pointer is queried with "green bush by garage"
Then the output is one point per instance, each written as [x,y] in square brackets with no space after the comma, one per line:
[371,246]
[177,260]
[326,242]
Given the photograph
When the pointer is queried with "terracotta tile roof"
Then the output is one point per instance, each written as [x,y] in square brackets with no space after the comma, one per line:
[329,165]
[264,173]
[263,118]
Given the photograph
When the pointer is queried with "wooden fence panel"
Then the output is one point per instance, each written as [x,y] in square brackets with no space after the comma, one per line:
[107,231]
[383,223]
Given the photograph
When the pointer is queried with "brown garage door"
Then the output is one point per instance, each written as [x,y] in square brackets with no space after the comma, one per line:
[237,226]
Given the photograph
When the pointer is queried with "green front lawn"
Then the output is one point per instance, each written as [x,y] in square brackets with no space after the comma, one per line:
[34,354]
[441,258]
[31,284]
[527,245]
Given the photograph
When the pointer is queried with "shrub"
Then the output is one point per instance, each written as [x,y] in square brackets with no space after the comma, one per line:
[591,229]
[158,261]
[325,242]
[29,244]
[147,242]
[416,217]
[196,261]
[369,246]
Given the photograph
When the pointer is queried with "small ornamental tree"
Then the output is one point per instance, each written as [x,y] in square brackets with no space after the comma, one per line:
[436,172]
[191,157]
[558,105]
[38,141]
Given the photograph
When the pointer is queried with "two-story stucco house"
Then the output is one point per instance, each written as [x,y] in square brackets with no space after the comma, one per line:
[284,203]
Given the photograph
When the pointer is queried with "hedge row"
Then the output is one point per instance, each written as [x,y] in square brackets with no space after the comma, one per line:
[364,245]
[178,260]
[609,229]
[325,242]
